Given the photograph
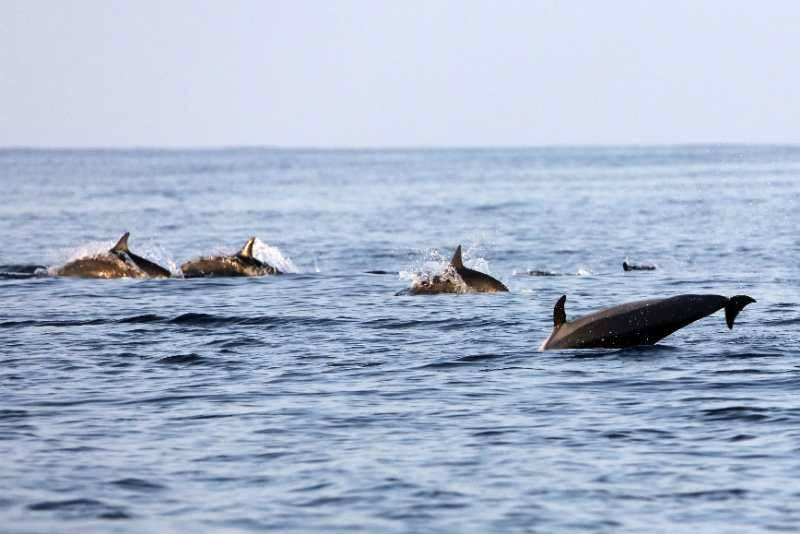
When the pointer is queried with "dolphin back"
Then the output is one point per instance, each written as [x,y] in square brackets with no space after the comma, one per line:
[243,263]
[152,269]
[475,280]
[480,282]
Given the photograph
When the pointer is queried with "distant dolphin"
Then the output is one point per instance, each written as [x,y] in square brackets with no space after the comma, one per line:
[465,281]
[118,262]
[22,271]
[541,272]
[644,322]
[637,267]
[240,264]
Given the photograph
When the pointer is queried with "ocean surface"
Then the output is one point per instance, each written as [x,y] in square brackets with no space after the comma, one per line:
[318,401]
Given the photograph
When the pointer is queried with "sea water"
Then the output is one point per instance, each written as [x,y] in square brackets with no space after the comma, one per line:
[318,401]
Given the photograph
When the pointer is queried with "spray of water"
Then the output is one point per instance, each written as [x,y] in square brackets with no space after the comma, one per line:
[273,256]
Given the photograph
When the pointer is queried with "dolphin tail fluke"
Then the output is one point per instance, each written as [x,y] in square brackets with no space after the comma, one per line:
[247,249]
[559,312]
[457,262]
[122,244]
[734,306]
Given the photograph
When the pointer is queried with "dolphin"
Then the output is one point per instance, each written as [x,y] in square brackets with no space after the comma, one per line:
[240,264]
[118,262]
[456,279]
[22,271]
[637,267]
[643,322]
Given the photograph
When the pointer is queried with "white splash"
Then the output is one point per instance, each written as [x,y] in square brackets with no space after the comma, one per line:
[157,254]
[61,256]
[273,256]
[86,250]
[445,274]
[477,263]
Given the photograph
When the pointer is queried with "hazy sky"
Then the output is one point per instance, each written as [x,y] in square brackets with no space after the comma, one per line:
[379,73]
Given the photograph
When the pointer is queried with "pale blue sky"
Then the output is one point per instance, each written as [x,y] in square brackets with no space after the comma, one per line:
[379,73]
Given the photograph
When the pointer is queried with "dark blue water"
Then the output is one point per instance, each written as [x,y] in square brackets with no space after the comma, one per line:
[319,401]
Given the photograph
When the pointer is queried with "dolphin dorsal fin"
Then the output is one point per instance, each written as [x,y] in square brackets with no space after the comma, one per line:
[456,262]
[247,249]
[122,244]
[559,313]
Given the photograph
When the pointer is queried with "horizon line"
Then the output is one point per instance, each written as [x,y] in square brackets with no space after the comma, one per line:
[389,148]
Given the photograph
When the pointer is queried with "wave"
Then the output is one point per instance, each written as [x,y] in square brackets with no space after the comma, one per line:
[447,323]
[708,495]
[469,359]
[736,413]
[184,319]
[54,323]
[184,359]
[80,508]
[138,484]
[207,320]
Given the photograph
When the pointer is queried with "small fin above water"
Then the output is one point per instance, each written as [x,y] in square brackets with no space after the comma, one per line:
[734,306]
[456,262]
[247,249]
[122,244]
[559,312]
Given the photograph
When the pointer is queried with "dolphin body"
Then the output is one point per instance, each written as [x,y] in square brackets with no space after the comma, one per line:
[457,279]
[118,262]
[240,264]
[643,322]
[637,267]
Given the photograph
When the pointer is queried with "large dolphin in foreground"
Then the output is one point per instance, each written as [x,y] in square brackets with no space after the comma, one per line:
[644,322]
[118,262]
[240,264]
[456,279]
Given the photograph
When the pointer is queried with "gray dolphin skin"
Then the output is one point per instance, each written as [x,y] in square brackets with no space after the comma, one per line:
[643,322]
[467,281]
[118,262]
[475,280]
[240,264]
